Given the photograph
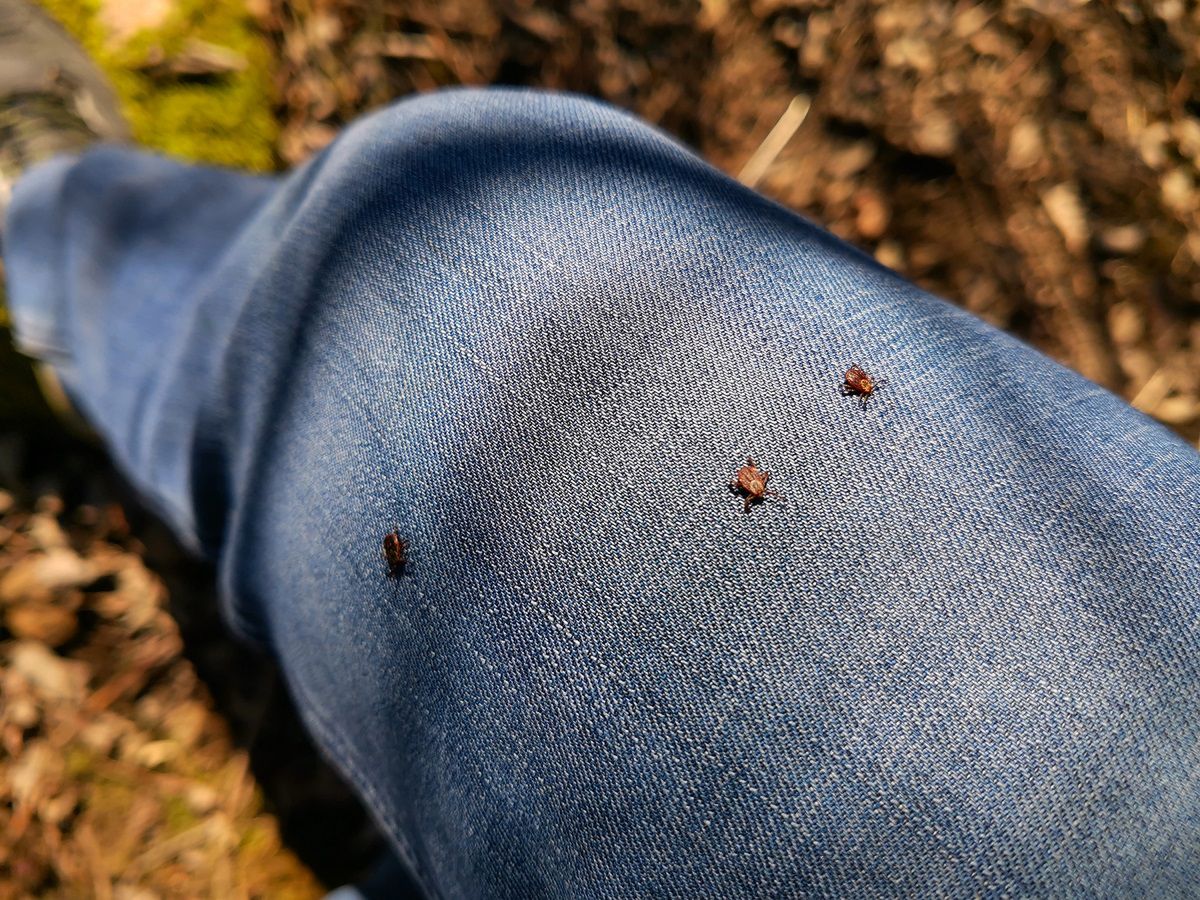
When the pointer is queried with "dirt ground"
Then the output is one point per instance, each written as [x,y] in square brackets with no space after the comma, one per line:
[142,752]
[1035,162]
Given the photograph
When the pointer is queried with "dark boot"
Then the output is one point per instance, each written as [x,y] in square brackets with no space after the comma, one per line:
[53,100]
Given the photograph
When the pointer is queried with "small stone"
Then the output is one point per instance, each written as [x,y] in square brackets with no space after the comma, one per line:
[873,214]
[936,134]
[133,892]
[1176,410]
[45,531]
[55,809]
[1123,238]
[1192,243]
[789,32]
[989,42]
[22,712]
[50,504]
[36,773]
[814,54]
[1025,146]
[141,593]
[1178,191]
[102,732]
[1187,135]
[1169,10]
[201,799]
[909,52]
[324,28]
[52,625]
[123,20]
[49,675]
[156,753]
[890,254]
[1152,144]
[39,575]
[150,710]
[131,744]
[1125,323]
[1066,211]
[851,160]
[185,723]
[970,20]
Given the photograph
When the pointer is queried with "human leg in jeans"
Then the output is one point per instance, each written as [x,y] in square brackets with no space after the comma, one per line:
[959,656]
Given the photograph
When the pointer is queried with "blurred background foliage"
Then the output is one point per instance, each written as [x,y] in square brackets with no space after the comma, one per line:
[1035,161]
[194,76]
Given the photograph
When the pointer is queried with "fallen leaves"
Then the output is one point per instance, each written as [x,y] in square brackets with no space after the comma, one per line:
[116,777]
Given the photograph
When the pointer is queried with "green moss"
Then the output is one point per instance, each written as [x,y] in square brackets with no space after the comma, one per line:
[223,120]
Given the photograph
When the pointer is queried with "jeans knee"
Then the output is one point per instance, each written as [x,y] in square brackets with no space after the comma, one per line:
[498,192]
[495,154]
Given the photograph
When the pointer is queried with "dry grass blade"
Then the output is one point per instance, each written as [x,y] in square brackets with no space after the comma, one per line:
[772,145]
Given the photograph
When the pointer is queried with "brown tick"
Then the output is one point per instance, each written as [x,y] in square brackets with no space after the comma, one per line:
[395,551]
[751,482]
[857,383]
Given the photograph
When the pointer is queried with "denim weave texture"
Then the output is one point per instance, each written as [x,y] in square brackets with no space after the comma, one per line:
[959,657]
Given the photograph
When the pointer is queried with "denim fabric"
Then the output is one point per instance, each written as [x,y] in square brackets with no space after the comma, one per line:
[960,657]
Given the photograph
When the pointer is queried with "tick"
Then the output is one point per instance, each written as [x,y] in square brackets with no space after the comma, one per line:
[751,482]
[857,383]
[395,552]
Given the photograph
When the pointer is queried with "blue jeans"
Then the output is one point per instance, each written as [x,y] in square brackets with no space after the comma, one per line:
[959,656]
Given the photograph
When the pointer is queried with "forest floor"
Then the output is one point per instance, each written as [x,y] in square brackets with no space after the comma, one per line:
[1036,162]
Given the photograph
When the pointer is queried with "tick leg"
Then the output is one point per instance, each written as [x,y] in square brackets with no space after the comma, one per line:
[746,505]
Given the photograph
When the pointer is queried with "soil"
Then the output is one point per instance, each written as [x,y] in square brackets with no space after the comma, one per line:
[1035,162]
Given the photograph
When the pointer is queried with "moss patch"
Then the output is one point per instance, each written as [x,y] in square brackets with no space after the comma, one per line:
[224,119]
